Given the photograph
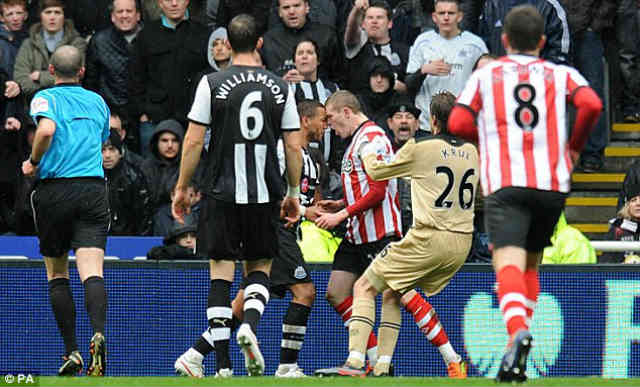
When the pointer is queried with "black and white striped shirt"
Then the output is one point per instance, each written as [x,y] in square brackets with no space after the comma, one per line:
[319,90]
[247,109]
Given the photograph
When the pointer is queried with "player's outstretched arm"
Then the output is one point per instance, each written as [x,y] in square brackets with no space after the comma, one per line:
[400,166]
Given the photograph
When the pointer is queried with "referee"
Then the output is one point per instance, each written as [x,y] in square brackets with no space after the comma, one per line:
[70,207]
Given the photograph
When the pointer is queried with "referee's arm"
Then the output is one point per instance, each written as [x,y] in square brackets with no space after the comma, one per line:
[42,140]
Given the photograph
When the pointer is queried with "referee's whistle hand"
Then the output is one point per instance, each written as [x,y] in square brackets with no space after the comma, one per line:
[28,169]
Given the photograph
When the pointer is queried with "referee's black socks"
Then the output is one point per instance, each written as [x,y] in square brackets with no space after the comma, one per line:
[64,309]
[256,296]
[95,300]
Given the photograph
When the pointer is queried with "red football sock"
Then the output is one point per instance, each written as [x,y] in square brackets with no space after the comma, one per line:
[373,341]
[511,294]
[427,320]
[344,309]
[532,283]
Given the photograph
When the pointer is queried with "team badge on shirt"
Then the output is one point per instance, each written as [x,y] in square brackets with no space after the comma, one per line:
[39,105]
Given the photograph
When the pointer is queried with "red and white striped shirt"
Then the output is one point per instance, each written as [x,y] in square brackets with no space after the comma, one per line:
[520,107]
[383,218]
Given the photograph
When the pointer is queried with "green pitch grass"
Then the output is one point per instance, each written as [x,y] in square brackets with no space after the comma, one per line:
[324,382]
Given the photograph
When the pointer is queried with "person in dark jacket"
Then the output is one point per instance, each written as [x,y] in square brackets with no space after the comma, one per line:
[556,27]
[367,36]
[13,31]
[402,121]
[11,155]
[13,145]
[587,20]
[259,9]
[281,40]
[631,178]
[168,55]
[627,33]
[320,11]
[625,227]
[109,53]
[129,195]
[163,219]
[377,97]
[89,16]
[119,123]
[161,168]
[179,244]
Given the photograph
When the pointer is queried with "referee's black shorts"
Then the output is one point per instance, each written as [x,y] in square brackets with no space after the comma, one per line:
[70,214]
[522,217]
[244,232]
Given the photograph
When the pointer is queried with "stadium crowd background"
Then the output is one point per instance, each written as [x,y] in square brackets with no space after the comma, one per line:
[145,58]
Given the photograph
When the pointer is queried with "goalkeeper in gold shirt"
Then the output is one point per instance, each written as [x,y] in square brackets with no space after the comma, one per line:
[444,176]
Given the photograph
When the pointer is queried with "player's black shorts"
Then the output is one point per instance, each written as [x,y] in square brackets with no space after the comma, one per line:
[356,258]
[245,232]
[70,214]
[289,267]
[522,217]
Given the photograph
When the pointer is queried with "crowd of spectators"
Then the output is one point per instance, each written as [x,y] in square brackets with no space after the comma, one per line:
[145,57]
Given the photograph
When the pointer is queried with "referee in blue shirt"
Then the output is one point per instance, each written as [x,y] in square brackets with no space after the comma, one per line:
[70,206]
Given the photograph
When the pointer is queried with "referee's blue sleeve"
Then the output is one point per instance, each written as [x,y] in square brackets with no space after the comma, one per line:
[107,127]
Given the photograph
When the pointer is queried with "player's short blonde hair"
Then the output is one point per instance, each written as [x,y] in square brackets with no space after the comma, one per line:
[343,98]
